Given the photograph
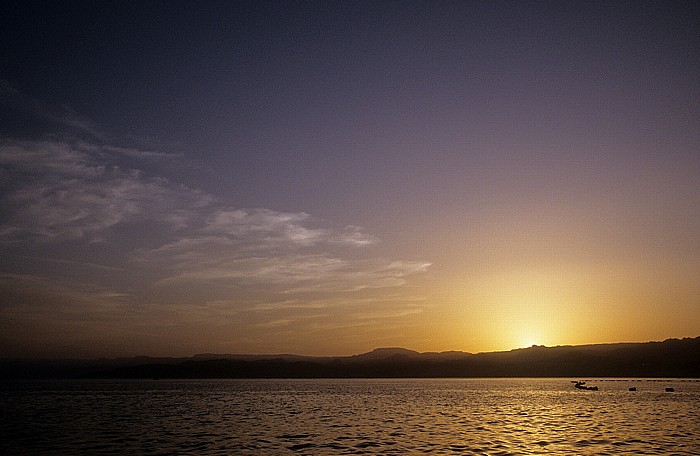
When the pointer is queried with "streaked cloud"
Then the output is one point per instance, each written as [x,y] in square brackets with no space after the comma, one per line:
[60,191]
[13,98]
[274,323]
[272,228]
[41,297]
[296,272]
[261,246]
[63,190]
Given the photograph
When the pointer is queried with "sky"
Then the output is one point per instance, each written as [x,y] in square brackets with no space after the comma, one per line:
[326,178]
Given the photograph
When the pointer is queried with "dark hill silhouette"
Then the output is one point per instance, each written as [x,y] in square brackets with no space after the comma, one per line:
[383,354]
[670,358]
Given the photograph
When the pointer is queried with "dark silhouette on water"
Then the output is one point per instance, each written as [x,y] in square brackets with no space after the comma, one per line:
[582,386]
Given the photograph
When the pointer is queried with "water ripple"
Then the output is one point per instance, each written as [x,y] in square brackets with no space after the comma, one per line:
[508,416]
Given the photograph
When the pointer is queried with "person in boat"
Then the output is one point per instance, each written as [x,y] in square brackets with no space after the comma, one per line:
[581,385]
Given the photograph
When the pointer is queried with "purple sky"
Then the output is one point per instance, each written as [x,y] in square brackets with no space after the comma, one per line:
[330,177]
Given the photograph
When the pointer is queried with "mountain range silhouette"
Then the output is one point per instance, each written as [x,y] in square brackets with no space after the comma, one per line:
[670,358]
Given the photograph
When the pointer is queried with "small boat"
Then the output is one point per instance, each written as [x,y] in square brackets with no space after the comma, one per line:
[669,390]
[582,386]
[634,388]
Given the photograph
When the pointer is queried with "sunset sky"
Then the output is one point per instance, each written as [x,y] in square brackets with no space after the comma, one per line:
[325,178]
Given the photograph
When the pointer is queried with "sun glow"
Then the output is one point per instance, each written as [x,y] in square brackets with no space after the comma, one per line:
[529,307]
[532,331]
[529,341]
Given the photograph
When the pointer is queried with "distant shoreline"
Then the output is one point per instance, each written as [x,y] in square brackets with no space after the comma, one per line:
[672,358]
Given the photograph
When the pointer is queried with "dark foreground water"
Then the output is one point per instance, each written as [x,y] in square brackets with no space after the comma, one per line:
[463,416]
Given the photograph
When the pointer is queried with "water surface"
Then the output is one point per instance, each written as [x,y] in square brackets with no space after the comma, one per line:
[367,416]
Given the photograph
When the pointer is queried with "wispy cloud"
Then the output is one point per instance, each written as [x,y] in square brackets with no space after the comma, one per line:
[274,323]
[63,190]
[297,273]
[297,268]
[42,297]
[338,311]
[13,98]
[280,249]
[339,301]
[261,246]
[69,190]
[108,150]
[272,228]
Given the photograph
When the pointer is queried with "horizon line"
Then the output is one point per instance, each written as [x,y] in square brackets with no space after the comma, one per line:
[38,358]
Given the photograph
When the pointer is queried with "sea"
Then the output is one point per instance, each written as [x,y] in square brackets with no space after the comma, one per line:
[350,416]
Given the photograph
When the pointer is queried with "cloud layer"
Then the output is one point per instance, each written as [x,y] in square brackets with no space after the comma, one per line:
[58,191]
[167,236]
